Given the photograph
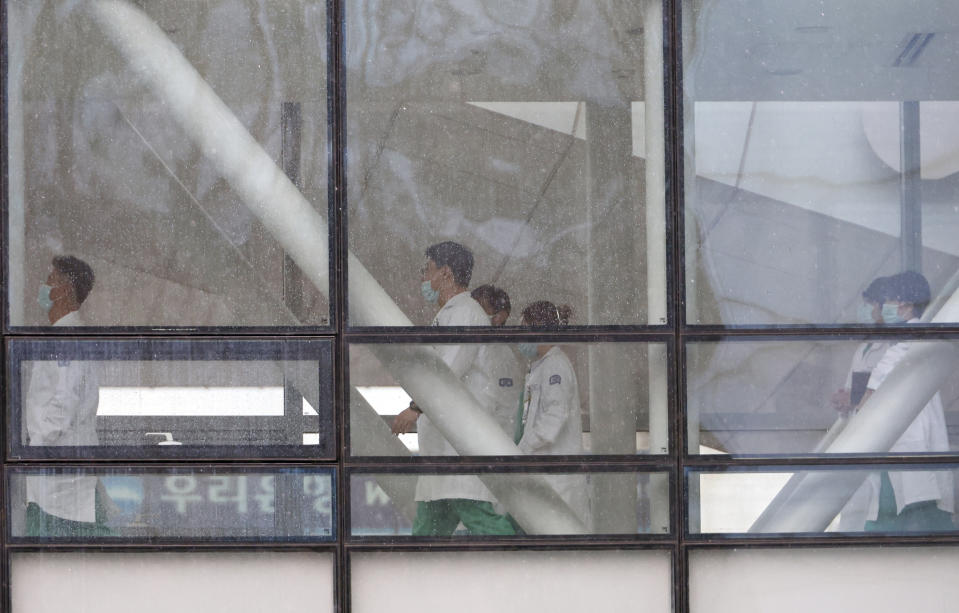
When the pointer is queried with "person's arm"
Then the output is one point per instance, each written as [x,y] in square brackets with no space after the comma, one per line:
[551,414]
[406,419]
[841,400]
[889,360]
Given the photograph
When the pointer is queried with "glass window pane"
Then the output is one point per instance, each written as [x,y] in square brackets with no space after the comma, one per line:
[132,504]
[482,505]
[101,398]
[823,156]
[885,499]
[564,399]
[136,145]
[158,582]
[797,580]
[529,133]
[790,397]
[560,581]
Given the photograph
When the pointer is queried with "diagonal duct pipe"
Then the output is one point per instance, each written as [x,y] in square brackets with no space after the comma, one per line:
[303,234]
[814,498]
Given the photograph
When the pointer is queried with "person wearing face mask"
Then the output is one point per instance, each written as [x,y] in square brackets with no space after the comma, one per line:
[60,409]
[498,362]
[495,301]
[910,500]
[444,501]
[550,420]
[867,354]
[854,513]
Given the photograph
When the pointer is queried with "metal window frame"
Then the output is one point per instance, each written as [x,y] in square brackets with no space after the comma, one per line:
[178,469]
[194,348]
[676,334]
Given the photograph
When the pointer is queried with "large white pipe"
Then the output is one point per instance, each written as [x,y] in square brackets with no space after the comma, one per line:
[303,233]
[239,158]
[811,503]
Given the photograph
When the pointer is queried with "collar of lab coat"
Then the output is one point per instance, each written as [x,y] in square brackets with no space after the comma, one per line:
[71,319]
[552,350]
[456,301]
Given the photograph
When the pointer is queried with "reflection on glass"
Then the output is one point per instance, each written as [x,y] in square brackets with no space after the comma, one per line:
[881,499]
[119,154]
[795,397]
[154,581]
[508,504]
[521,131]
[166,504]
[564,399]
[825,155]
[169,396]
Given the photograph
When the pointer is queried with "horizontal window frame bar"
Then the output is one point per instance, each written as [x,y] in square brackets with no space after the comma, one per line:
[822,330]
[508,464]
[713,463]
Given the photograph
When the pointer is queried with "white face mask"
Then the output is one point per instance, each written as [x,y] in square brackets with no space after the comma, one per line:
[865,313]
[430,295]
[44,299]
[890,313]
[530,351]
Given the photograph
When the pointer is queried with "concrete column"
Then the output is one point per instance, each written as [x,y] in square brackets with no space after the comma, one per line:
[16,219]
[656,296]
[613,297]
[910,186]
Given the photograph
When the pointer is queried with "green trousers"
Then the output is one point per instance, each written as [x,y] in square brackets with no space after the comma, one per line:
[41,523]
[922,516]
[440,518]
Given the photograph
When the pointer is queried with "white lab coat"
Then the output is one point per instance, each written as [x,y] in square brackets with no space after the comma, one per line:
[469,362]
[927,433]
[856,512]
[60,409]
[553,424]
[497,382]
[865,359]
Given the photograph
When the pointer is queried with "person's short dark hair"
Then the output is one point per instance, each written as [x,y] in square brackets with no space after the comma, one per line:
[456,256]
[877,291]
[910,287]
[78,272]
[545,314]
[494,296]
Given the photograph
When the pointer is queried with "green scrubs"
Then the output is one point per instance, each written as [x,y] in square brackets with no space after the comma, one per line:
[923,516]
[440,518]
[40,523]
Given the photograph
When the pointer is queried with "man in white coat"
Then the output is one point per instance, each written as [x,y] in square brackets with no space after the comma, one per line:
[911,500]
[60,409]
[443,501]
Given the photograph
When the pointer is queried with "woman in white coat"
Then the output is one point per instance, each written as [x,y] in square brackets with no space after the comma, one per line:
[550,421]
